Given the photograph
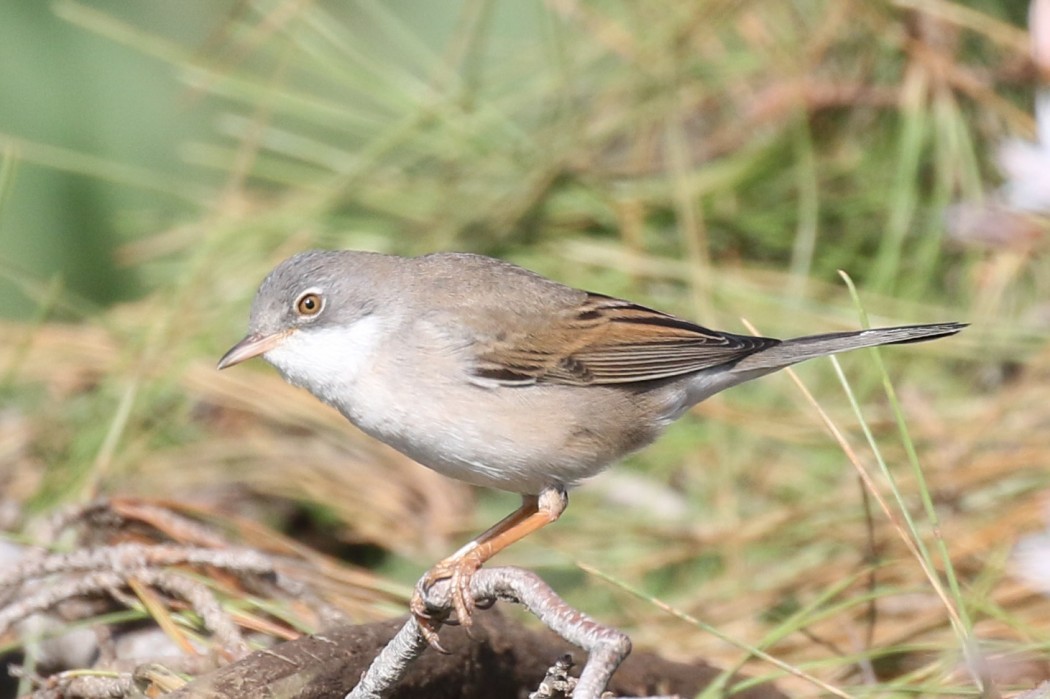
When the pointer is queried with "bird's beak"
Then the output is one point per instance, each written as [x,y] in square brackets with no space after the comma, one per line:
[251,346]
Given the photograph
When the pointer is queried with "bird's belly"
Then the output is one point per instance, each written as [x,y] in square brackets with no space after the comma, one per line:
[519,439]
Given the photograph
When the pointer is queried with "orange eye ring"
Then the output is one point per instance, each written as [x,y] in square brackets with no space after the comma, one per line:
[309,304]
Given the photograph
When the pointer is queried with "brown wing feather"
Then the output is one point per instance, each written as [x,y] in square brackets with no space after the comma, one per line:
[610,341]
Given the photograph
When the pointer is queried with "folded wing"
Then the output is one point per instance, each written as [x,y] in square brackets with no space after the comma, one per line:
[609,341]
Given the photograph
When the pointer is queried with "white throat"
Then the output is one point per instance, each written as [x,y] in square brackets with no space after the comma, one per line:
[328,361]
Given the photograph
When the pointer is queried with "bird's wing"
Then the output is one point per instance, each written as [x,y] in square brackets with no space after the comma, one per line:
[604,340]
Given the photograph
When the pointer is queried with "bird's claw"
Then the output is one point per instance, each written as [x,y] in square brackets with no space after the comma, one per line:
[459,572]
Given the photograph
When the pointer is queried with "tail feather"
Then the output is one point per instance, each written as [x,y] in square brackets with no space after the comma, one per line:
[800,349]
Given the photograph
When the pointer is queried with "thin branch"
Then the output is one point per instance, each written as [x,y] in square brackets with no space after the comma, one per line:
[606,647]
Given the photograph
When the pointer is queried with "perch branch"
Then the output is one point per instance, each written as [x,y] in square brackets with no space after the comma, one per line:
[606,647]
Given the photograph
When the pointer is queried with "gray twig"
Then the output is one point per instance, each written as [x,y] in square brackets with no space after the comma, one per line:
[51,595]
[557,684]
[606,647]
[135,556]
[68,685]
[197,594]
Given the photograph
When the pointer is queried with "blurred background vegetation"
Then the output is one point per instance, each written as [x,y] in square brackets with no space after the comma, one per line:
[714,158]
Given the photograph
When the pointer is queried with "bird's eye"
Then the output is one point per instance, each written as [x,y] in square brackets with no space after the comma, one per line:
[309,304]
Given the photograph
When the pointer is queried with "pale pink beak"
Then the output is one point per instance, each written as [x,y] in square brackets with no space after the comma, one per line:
[251,346]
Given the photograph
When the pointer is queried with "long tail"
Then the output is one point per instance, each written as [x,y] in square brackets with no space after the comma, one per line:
[800,349]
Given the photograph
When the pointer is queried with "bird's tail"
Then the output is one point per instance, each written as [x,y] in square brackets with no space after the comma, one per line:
[800,349]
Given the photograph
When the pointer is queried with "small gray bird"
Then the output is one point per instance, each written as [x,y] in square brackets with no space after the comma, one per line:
[497,376]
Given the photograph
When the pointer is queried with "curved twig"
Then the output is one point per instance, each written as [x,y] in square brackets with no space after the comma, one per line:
[606,647]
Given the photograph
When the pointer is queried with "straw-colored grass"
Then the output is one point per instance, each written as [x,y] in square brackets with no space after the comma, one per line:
[721,160]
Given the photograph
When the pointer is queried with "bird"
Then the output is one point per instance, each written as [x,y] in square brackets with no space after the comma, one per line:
[492,374]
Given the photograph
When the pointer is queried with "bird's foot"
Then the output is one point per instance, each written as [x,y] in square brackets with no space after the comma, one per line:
[458,570]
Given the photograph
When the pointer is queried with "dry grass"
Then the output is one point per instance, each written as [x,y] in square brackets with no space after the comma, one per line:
[711,158]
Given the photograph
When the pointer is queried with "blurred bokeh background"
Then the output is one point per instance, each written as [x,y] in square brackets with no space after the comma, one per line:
[718,159]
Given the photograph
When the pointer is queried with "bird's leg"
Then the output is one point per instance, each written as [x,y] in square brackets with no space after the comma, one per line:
[536,511]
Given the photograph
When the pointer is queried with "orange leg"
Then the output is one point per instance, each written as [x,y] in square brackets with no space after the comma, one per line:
[535,512]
